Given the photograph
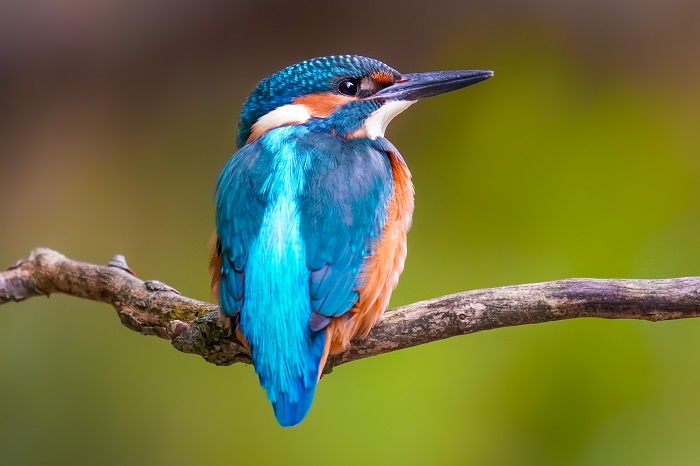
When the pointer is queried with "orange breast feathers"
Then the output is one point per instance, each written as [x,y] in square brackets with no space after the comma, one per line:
[382,269]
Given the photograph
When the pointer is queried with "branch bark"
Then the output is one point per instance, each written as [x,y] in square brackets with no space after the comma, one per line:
[153,308]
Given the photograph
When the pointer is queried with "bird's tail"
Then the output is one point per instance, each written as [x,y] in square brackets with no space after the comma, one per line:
[291,383]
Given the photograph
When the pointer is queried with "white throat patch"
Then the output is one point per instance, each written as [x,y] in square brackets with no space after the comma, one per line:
[375,125]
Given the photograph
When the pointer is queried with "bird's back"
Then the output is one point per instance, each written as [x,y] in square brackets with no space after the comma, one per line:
[298,215]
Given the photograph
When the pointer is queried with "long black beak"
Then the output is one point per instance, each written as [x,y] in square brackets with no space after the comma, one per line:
[416,86]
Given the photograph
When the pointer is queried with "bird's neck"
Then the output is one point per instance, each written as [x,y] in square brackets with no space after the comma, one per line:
[338,115]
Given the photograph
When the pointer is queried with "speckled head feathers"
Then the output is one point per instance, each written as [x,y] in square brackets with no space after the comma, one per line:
[317,75]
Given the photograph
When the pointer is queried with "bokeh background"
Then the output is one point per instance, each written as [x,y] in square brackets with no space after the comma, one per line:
[580,158]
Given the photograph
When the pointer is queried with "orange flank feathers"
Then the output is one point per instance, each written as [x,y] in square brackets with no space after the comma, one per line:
[215,271]
[215,266]
[381,270]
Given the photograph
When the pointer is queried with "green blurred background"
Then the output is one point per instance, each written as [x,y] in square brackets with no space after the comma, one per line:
[578,159]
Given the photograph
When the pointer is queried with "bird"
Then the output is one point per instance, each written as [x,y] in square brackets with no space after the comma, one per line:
[312,213]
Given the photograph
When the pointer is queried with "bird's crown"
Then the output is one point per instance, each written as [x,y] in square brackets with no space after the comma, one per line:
[346,95]
[320,84]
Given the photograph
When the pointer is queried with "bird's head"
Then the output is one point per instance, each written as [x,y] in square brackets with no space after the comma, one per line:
[349,95]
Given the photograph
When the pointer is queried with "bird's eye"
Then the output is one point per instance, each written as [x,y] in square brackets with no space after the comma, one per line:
[349,87]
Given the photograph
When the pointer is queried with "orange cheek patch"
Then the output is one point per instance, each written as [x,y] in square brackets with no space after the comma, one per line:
[322,105]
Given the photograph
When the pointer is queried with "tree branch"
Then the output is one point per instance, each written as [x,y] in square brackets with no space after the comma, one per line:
[153,308]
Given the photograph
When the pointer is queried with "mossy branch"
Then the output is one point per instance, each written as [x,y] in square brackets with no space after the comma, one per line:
[153,308]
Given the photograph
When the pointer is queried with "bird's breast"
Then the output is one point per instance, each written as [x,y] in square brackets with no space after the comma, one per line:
[381,270]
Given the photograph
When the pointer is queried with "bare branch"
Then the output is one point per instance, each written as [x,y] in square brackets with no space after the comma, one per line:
[153,308]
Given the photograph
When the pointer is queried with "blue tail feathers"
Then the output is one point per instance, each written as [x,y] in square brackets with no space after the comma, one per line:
[291,402]
[290,413]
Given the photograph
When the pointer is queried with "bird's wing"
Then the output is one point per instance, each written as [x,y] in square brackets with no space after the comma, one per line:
[343,207]
[297,213]
[343,210]
[240,209]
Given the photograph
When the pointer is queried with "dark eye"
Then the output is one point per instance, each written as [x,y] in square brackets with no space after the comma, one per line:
[349,87]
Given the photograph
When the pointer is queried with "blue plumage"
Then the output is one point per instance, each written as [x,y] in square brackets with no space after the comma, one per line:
[308,77]
[300,208]
[297,211]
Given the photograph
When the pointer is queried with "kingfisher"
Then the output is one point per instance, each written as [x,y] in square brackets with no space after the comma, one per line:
[312,213]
